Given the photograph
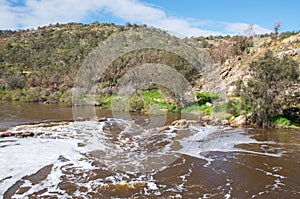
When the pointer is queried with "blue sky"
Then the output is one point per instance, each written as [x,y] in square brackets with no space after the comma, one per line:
[189,17]
[261,12]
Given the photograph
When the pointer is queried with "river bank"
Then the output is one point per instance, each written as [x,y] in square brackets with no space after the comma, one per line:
[16,113]
[95,159]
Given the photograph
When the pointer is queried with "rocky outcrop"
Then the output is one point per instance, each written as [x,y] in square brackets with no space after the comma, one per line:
[292,39]
[292,52]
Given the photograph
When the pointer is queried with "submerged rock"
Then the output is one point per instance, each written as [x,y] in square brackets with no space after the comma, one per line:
[7,134]
[121,188]
[24,134]
[20,135]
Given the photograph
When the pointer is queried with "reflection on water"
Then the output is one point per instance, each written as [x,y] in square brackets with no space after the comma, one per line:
[118,159]
[15,113]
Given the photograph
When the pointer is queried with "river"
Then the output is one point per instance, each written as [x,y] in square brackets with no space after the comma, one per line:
[118,158]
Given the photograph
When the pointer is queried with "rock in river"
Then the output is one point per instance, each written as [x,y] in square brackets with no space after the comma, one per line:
[182,123]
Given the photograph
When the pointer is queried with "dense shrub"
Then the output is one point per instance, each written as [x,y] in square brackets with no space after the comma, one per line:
[264,92]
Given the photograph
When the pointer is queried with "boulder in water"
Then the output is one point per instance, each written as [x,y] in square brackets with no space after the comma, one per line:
[239,121]
[225,122]
[182,123]
[100,119]
[207,118]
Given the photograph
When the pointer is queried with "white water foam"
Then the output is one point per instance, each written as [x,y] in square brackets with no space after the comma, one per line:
[25,156]
[28,155]
[213,138]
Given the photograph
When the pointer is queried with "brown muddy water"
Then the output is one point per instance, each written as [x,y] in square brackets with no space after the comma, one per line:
[119,158]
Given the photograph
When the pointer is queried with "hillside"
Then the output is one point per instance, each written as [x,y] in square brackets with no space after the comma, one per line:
[235,66]
[46,59]
[41,65]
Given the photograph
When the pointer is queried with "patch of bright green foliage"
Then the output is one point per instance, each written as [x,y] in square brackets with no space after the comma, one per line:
[104,100]
[236,108]
[207,110]
[280,120]
[155,97]
[141,101]
[202,98]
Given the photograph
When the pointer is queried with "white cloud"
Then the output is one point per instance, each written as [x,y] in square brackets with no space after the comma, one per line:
[134,11]
[9,19]
[239,28]
[43,12]
[36,13]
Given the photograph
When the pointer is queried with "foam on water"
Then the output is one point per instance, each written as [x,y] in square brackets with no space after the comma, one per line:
[214,138]
[28,155]
[24,156]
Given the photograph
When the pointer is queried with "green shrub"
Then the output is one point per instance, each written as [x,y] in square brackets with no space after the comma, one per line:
[234,107]
[136,103]
[281,121]
[207,110]
[66,98]
[151,96]
[58,95]
[105,101]
[155,97]
[270,78]
[16,95]
[172,108]
[203,98]
[30,95]
[203,109]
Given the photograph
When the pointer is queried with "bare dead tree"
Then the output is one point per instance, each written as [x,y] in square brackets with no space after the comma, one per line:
[249,32]
[277,25]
